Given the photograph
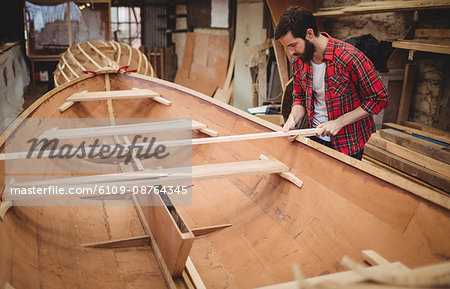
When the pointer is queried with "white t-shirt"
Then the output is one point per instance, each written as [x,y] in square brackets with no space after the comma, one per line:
[320,107]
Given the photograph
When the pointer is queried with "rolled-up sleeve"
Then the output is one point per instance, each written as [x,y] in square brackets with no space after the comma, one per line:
[373,92]
[298,94]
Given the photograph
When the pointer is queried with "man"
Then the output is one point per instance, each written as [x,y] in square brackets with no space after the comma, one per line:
[334,83]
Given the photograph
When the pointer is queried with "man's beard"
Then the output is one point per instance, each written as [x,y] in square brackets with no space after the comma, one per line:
[307,56]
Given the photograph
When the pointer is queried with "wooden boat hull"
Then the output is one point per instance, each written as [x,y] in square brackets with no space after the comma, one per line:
[343,207]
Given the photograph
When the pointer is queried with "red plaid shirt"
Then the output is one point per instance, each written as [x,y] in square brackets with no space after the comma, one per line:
[350,81]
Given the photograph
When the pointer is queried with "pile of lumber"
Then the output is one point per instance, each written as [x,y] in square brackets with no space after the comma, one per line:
[420,155]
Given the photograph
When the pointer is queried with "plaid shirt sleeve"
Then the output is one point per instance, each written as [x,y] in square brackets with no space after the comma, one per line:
[298,94]
[372,90]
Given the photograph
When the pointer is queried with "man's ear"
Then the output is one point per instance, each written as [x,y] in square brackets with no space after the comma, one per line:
[309,34]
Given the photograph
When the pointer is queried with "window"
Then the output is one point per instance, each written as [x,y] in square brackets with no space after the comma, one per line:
[126,25]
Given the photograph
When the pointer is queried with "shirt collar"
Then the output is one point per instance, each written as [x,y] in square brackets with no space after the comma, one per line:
[329,50]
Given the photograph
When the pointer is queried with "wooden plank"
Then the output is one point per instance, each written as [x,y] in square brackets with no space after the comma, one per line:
[440,137]
[113,94]
[424,161]
[373,258]
[342,278]
[120,243]
[280,56]
[158,254]
[4,207]
[422,45]
[209,229]
[388,6]
[408,167]
[407,89]
[127,129]
[155,177]
[416,144]
[197,141]
[427,129]
[438,33]
[174,239]
[435,275]
[193,273]
[286,175]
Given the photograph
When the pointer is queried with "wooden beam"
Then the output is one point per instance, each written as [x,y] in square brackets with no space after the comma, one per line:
[193,273]
[209,229]
[197,141]
[426,45]
[411,130]
[113,94]
[280,56]
[373,258]
[381,7]
[345,278]
[159,257]
[407,89]
[127,129]
[416,144]
[438,33]
[436,275]
[286,175]
[121,243]
[4,207]
[409,168]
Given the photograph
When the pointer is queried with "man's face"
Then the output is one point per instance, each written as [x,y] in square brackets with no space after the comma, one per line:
[298,47]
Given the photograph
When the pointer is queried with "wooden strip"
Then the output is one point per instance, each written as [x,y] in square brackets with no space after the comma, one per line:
[127,129]
[407,89]
[130,55]
[62,72]
[74,59]
[121,243]
[187,282]
[280,56]
[4,207]
[162,100]
[87,56]
[114,94]
[438,33]
[422,45]
[209,229]
[408,167]
[409,130]
[373,258]
[416,144]
[286,175]
[197,141]
[208,131]
[342,278]
[152,177]
[109,61]
[427,129]
[388,6]
[193,273]
[68,66]
[436,275]
[427,162]
[159,257]
[136,161]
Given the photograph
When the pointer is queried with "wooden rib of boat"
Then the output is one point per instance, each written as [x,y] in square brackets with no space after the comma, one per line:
[95,55]
[242,230]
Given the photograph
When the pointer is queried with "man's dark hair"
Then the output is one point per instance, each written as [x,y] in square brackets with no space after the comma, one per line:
[297,20]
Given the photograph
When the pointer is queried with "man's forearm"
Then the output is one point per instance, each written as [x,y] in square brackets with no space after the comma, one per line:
[352,116]
[297,113]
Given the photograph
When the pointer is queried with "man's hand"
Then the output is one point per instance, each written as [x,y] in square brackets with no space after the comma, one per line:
[290,124]
[330,128]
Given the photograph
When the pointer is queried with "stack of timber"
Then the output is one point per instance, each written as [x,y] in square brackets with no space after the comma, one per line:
[251,216]
[94,55]
[205,61]
[421,155]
